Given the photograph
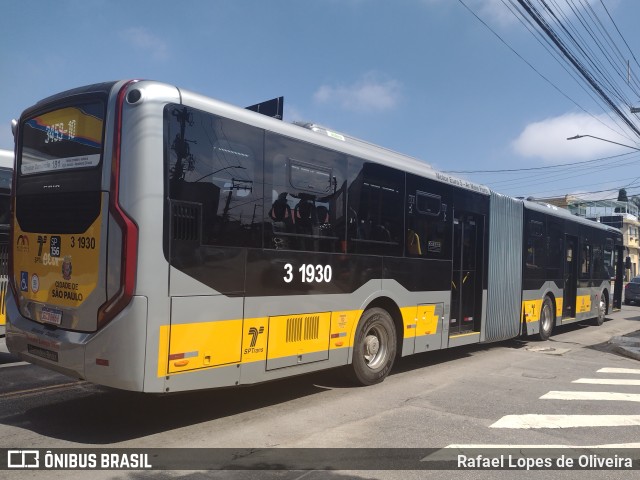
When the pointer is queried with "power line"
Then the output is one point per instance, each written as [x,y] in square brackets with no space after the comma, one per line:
[522,18]
[619,33]
[599,86]
[521,57]
[575,36]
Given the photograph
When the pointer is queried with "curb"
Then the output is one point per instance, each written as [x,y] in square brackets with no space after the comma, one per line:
[632,352]
[627,346]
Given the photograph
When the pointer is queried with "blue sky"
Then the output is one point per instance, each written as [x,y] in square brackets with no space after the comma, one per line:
[423,77]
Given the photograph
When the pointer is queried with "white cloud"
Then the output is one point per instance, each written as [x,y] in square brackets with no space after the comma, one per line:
[293,114]
[547,139]
[146,42]
[367,94]
[495,10]
[491,11]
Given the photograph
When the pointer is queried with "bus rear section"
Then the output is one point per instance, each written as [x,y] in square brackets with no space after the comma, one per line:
[71,267]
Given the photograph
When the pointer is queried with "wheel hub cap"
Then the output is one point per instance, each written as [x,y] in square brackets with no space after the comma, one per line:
[372,345]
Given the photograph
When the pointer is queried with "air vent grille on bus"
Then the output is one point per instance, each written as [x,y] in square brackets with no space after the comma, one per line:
[299,328]
[186,221]
[68,213]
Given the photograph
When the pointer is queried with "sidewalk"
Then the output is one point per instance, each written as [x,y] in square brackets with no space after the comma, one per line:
[627,345]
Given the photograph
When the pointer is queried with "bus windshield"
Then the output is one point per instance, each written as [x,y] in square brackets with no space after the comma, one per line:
[63,139]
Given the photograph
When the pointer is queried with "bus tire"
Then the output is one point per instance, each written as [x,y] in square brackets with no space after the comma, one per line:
[374,348]
[602,310]
[546,319]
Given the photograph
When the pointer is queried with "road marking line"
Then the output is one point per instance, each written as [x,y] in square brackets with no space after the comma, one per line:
[607,381]
[634,371]
[557,395]
[14,364]
[565,421]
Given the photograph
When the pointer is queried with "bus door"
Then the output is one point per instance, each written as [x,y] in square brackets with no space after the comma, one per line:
[466,282]
[570,276]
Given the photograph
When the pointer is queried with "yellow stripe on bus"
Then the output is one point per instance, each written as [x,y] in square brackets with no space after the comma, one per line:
[531,308]
[186,347]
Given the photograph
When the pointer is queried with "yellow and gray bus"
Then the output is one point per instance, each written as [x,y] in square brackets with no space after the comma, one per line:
[6,174]
[164,241]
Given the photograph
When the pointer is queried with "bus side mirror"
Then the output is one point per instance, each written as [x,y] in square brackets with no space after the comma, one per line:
[14,127]
[627,263]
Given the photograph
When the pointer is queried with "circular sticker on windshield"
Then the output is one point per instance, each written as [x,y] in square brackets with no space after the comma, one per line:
[35,283]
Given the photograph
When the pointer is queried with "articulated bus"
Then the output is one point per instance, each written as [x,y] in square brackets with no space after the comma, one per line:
[6,174]
[163,241]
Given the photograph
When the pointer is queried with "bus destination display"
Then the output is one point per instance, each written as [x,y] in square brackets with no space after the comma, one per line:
[67,138]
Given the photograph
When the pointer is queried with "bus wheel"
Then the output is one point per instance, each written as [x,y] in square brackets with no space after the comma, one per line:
[546,319]
[374,349]
[602,309]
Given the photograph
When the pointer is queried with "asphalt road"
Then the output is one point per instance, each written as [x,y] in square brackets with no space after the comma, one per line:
[573,390]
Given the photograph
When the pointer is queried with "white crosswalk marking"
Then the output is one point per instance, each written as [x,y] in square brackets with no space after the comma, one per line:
[530,421]
[632,371]
[535,421]
[556,395]
[607,381]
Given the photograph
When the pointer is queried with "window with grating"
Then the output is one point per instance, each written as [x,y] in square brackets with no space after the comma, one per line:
[186,221]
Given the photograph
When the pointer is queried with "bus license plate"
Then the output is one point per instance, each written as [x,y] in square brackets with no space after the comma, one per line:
[51,315]
[42,353]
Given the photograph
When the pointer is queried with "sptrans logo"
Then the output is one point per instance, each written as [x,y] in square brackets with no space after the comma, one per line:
[254,333]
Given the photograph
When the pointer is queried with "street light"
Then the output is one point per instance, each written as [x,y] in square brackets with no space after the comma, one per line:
[604,140]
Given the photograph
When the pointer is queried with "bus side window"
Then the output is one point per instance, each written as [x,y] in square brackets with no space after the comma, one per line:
[535,255]
[214,164]
[428,233]
[312,180]
[609,258]
[585,261]
[375,195]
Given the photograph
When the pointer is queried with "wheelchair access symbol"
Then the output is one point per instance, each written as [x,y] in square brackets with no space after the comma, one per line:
[24,281]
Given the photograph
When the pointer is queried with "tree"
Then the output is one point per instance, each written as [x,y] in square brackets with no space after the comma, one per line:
[622,195]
